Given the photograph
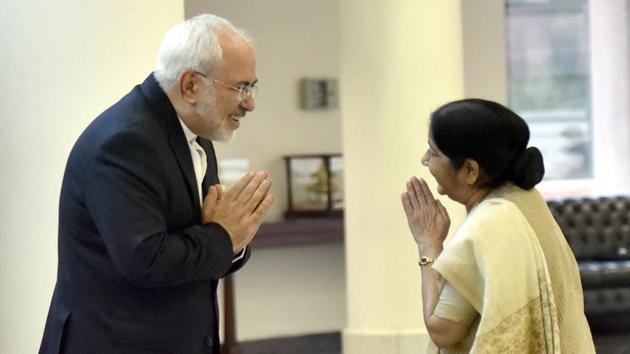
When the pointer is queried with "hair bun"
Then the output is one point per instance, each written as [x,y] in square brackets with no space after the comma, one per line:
[529,169]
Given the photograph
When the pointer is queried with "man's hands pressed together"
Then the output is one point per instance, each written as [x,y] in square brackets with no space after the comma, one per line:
[241,210]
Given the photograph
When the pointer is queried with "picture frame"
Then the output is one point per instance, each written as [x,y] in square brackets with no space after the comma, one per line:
[314,185]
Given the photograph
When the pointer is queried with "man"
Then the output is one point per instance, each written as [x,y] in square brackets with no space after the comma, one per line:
[140,254]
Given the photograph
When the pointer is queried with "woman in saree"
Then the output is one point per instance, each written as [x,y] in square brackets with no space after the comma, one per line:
[506,281]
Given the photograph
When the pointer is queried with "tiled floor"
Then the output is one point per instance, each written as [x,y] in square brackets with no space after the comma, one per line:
[330,343]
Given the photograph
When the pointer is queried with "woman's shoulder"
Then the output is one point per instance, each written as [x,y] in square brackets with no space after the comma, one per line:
[492,215]
[520,197]
[493,207]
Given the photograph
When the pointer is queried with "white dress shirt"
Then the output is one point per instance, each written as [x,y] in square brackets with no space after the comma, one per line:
[200,164]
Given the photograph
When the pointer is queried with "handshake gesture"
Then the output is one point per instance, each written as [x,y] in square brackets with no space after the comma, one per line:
[241,210]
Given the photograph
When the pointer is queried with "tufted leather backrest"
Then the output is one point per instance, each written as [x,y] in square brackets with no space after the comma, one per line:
[596,228]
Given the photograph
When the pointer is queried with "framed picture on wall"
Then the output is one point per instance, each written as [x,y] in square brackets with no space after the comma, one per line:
[314,185]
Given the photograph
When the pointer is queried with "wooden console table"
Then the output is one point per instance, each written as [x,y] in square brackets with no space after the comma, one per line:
[286,233]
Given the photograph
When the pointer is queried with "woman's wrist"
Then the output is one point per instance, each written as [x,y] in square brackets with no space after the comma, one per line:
[432,251]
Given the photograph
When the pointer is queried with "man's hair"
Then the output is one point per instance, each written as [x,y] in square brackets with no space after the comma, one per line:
[192,45]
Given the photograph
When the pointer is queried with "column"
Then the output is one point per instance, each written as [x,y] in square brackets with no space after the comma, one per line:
[399,61]
[610,92]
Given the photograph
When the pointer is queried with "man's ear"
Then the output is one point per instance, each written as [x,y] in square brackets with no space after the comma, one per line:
[472,172]
[190,86]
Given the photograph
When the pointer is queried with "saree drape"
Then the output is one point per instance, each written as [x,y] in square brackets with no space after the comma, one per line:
[510,260]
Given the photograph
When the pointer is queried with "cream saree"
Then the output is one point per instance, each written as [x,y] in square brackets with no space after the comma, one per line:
[510,261]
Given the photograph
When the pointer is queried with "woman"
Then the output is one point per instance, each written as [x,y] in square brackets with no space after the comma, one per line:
[506,281]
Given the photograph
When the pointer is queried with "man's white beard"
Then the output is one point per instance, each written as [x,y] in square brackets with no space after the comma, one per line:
[207,107]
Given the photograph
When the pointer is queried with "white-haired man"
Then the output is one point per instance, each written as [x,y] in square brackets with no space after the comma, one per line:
[145,232]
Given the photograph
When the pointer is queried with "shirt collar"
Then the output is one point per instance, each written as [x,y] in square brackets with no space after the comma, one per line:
[190,136]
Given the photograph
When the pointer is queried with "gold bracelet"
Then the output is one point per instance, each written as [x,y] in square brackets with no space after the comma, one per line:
[424,260]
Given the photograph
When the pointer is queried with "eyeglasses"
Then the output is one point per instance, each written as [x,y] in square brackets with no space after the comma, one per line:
[244,91]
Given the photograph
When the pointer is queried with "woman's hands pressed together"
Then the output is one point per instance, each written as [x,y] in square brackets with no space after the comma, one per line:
[428,220]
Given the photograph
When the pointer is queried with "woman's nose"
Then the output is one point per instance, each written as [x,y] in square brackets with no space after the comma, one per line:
[424,160]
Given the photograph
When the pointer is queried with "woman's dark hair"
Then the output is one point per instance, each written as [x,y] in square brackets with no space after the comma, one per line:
[490,134]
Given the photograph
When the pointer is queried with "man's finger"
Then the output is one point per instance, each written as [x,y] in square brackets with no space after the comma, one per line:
[262,209]
[211,197]
[209,204]
[246,193]
[258,195]
[219,189]
[235,191]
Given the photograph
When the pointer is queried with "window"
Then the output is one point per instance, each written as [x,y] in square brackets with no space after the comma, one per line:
[549,81]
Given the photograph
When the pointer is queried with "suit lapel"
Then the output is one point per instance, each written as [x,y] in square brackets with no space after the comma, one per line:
[182,154]
[167,117]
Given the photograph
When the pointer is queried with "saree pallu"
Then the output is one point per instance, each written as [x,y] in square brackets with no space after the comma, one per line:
[497,262]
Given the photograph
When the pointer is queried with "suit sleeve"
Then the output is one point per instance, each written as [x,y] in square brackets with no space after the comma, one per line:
[127,199]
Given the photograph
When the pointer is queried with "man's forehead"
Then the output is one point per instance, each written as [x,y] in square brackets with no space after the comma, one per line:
[239,61]
[228,38]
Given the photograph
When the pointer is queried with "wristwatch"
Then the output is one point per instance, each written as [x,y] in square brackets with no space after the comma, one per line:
[424,260]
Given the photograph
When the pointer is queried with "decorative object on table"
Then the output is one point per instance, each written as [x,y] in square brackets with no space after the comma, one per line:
[315,185]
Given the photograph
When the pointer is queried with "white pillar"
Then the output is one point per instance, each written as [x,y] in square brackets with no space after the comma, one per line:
[399,61]
[62,63]
[610,95]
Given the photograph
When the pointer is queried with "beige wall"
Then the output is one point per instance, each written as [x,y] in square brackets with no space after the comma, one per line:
[62,63]
[291,291]
[293,39]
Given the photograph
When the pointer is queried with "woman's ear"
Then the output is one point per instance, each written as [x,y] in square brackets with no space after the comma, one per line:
[472,172]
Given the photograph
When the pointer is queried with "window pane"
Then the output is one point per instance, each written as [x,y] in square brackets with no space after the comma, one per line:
[549,81]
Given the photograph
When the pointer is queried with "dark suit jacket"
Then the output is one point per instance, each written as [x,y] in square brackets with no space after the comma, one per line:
[137,271]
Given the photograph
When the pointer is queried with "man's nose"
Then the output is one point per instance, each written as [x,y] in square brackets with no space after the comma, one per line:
[249,103]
